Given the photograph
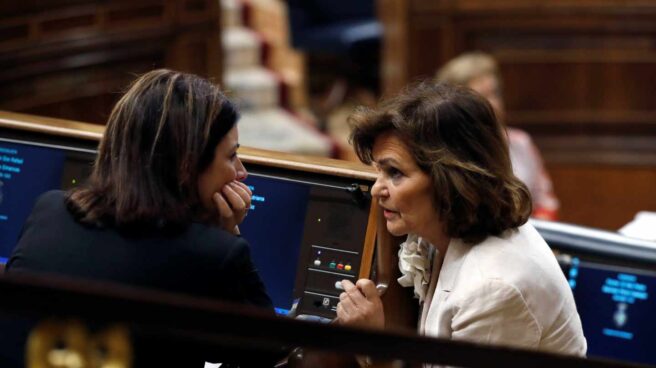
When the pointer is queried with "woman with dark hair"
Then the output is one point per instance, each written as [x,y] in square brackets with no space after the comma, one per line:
[480,272]
[480,72]
[162,205]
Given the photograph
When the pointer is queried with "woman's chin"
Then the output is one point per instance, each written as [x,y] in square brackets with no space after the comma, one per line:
[395,230]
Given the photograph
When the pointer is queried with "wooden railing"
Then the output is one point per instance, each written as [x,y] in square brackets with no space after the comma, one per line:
[221,325]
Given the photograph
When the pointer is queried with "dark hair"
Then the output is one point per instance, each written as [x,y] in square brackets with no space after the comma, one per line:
[455,138]
[160,137]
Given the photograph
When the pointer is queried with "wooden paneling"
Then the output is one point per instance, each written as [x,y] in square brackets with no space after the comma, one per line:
[589,58]
[71,59]
[577,74]
[601,195]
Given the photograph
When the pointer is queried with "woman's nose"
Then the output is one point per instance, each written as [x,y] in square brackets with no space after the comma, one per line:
[377,188]
[242,174]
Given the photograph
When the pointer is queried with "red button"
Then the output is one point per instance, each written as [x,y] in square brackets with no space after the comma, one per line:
[340,266]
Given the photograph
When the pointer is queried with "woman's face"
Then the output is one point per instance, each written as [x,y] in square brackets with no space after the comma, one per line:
[225,168]
[488,86]
[403,190]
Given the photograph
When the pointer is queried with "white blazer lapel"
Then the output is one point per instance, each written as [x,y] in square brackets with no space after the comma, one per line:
[432,324]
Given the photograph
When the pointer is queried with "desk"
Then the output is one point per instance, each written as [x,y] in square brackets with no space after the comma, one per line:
[321,172]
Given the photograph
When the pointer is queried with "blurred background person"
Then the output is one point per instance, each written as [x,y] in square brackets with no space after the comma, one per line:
[480,72]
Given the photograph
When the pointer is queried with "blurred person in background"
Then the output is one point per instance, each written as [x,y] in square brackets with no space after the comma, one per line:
[480,72]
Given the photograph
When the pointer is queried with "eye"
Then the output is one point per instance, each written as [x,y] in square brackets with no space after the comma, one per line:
[393,172]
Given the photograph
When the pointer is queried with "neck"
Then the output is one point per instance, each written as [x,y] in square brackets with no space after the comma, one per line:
[439,239]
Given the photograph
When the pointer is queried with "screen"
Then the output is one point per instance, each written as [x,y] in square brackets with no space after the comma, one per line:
[616,308]
[28,170]
[292,224]
[274,229]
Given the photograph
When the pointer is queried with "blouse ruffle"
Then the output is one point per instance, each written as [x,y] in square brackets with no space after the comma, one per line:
[415,265]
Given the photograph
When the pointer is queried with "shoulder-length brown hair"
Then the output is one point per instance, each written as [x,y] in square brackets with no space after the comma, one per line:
[455,138]
[160,136]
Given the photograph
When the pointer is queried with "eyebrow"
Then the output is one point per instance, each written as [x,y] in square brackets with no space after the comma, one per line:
[387,161]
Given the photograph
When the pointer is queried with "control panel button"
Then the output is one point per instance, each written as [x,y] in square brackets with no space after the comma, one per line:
[332,264]
[317,262]
[347,267]
[340,266]
[338,285]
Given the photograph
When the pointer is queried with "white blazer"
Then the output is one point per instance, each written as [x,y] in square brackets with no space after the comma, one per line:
[506,290]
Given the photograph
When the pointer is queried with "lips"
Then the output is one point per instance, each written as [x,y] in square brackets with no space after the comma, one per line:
[388,214]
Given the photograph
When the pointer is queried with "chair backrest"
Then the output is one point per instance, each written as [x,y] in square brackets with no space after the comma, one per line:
[323,12]
[314,22]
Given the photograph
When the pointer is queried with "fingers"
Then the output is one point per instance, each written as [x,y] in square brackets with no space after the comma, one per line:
[244,193]
[244,186]
[368,288]
[226,214]
[347,306]
[225,211]
[233,203]
[343,316]
[237,198]
[360,309]
[353,294]
[347,285]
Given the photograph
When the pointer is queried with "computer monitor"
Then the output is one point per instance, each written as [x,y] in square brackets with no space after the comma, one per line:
[305,236]
[274,229]
[613,278]
[28,169]
[616,305]
[306,231]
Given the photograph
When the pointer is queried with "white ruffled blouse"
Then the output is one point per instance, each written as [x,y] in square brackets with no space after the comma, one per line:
[415,256]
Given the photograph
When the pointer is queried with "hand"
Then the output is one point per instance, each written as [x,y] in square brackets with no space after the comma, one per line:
[360,305]
[233,204]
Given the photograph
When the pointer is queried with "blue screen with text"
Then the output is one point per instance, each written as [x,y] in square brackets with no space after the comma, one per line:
[617,310]
[25,173]
[274,229]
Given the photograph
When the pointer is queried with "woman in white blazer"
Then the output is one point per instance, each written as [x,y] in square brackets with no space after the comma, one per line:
[480,271]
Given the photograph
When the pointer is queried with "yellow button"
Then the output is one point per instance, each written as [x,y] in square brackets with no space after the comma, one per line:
[347,267]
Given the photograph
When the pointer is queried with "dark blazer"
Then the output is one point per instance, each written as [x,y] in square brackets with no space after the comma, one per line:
[200,260]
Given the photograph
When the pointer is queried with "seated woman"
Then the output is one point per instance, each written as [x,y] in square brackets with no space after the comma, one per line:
[162,205]
[481,273]
[480,72]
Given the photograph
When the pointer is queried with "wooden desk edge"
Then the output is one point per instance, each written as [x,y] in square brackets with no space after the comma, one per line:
[58,127]
[94,132]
